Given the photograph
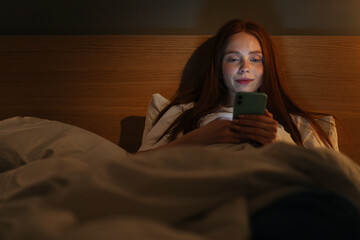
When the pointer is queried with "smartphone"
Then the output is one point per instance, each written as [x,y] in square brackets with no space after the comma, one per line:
[249,103]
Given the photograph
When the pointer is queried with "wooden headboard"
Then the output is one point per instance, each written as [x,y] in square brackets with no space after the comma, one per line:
[104,83]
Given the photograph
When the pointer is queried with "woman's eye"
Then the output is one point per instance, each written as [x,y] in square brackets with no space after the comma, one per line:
[256,59]
[233,59]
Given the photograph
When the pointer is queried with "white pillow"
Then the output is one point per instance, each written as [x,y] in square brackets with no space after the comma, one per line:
[310,137]
[156,105]
[27,139]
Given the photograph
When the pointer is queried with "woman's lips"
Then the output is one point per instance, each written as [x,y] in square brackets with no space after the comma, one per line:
[244,80]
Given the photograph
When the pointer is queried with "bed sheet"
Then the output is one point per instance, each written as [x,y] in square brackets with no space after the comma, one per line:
[155,195]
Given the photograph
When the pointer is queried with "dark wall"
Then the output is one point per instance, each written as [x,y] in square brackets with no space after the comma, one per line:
[279,17]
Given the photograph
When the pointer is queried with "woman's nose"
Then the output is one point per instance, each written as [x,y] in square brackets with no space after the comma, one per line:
[244,67]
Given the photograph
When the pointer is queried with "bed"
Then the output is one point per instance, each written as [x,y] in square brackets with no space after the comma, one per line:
[104,83]
[95,91]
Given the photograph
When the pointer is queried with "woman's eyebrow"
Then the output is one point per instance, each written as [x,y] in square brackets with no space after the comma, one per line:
[237,52]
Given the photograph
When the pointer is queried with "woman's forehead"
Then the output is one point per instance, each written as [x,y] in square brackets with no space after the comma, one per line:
[243,41]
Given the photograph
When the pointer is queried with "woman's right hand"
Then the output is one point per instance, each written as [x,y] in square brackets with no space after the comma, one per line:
[217,131]
[248,128]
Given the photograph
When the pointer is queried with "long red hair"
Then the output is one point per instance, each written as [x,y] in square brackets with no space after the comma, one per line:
[209,93]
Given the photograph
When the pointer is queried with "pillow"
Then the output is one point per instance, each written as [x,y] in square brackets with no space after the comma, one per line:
[27,139]
[156,105]
[311,139]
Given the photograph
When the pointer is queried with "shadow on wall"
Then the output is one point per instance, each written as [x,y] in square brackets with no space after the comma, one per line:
[132,127]
[196,66]
[131,133]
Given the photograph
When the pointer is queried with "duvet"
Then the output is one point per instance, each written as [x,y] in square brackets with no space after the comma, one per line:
[58,181]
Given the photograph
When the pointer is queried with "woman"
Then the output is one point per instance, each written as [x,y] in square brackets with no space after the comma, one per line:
[243,59]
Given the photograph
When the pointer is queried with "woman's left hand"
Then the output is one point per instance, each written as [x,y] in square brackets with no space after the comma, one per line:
[259,128]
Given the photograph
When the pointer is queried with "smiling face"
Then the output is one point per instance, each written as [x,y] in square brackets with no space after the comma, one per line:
[242,65]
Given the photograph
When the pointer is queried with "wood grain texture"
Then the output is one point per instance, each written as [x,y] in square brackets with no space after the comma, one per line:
[104,83]
[322,74]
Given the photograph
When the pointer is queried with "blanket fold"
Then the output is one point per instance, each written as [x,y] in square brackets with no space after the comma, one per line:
[177,193]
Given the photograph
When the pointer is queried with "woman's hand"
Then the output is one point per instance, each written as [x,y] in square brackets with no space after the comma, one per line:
[248,128]
[217,131]
[259,128]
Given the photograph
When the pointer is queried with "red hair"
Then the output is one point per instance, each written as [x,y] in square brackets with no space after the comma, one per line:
[209,93]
